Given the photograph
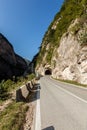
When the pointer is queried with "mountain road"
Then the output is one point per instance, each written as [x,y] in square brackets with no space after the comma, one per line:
[63,106]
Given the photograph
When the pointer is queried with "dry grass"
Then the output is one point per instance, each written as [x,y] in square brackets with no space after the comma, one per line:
[72,82]
[13,117]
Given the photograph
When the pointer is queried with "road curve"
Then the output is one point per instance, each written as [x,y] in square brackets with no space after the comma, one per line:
[63,106]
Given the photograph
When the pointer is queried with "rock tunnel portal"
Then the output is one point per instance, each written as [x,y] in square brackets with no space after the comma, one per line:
[48,71]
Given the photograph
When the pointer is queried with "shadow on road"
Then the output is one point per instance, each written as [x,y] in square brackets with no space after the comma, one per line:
[49,128]
[34,96]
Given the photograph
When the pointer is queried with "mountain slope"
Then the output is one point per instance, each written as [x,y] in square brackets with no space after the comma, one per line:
[11,64]
[64,45]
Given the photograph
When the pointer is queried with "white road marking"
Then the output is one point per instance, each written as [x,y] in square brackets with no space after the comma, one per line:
[38,115]
[71,94]
[77,86]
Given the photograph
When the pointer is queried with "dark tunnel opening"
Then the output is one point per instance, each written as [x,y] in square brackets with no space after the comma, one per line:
[48,72]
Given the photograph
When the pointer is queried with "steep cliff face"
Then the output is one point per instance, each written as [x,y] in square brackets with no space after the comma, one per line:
[71,63]
[11,64]
[71,60]
[64,46]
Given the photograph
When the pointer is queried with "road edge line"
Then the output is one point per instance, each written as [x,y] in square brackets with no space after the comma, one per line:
[77,86]
[38,115]
[73,95]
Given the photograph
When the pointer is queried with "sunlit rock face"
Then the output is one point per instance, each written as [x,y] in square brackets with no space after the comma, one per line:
[71,63]
[11,64]
[64,45]
[69,59]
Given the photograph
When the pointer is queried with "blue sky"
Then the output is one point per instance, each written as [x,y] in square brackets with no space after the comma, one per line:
[24,23]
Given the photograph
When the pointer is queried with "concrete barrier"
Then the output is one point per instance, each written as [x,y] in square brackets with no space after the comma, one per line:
[22,93]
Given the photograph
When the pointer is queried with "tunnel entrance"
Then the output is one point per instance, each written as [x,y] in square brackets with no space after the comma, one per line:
[48,72]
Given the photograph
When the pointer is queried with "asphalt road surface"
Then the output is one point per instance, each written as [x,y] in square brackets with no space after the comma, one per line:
[63,106]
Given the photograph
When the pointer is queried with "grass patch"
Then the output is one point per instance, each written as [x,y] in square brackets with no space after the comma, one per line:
[13,117]
[72,82]
[7,86]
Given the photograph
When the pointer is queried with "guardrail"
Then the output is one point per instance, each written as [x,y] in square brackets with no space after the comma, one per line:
[23,92]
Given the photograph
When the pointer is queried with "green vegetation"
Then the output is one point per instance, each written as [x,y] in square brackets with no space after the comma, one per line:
[3,91]
[72,82]
[83,37]
[82,26]
[49,55]
[13,117]
[7,86]
[70,10]
[75,28]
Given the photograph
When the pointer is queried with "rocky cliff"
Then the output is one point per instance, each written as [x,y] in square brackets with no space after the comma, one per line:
[11,64]
[63,49]
[71,63]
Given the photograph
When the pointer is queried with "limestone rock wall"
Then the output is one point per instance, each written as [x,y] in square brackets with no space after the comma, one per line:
[71,63]
[69,59]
